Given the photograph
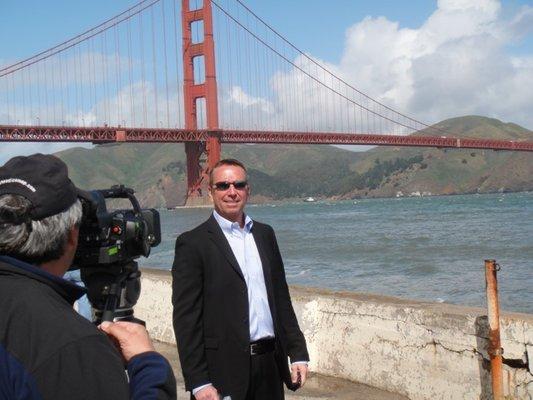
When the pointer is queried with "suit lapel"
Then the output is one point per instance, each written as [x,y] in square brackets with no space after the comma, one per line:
[217,236]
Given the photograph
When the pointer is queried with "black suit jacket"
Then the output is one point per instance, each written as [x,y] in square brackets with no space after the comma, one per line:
[211,311]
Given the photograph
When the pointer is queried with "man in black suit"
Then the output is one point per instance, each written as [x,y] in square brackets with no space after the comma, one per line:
[233,318]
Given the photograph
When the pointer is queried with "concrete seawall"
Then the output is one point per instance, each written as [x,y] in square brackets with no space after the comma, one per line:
[417,349]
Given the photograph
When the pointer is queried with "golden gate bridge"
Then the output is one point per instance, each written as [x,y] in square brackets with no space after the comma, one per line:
[202,73]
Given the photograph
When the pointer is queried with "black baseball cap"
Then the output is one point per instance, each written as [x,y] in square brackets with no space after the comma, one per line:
[43,180]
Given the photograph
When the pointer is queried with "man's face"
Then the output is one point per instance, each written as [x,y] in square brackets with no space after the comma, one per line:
[229,203]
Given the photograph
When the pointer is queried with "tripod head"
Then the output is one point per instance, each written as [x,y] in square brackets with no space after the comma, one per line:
[113,291]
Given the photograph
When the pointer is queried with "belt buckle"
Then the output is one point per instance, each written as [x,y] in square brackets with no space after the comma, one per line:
[253,349]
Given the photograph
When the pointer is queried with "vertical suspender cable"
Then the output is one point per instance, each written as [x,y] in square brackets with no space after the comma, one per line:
[75,81]
[130,73]
[104,74]
[14,98]
[54,103]
[30,95]
[93,82]
[381,120]
[154,66]
[326,97]
[79,84]
[231,121]
[37,77]
[283,90]
[23,87]
[218,65]
[178,91]
[83,60]
[48,88]
[118,76]
[143,69]
[91,103]
[165,58]
[265,63]
[239,69]
[354,114]
[262,77]
[61,85]
[361,116]
[307,103]
[252,111]
[8,102]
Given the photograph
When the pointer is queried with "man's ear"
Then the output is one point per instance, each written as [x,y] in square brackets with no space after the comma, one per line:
[73,235]
[210,194]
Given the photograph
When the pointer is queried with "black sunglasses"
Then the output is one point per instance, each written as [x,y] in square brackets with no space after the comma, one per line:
[239,185]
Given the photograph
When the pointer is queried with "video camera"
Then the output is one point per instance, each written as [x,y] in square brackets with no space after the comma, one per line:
[109,242]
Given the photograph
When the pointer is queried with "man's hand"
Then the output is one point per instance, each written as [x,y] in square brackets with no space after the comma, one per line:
[207,393]
[299,373]
[130,338]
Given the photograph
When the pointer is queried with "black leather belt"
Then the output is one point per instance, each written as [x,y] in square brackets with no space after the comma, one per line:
[262,346]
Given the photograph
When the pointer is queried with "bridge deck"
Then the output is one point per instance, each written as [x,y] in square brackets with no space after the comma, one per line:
[16,133]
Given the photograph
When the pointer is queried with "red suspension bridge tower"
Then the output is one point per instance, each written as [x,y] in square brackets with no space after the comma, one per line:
[199,96]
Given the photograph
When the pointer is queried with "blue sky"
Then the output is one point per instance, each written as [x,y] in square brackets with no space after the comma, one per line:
[319,28]
[52,21]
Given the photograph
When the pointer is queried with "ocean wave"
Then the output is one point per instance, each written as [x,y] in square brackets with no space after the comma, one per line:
[299,273]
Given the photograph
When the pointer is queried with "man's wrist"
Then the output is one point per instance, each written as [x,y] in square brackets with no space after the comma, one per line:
[197,389]
[299,362]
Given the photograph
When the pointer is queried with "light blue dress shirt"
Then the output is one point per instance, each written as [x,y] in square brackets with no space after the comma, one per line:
[244,249]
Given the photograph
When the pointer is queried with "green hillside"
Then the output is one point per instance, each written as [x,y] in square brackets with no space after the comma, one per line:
[157,171]
[452,171]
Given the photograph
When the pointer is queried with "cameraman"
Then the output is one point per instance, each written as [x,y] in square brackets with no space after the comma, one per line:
[47,350]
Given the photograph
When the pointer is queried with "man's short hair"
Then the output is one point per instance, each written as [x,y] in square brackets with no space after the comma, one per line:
[39,205]
[35,242]
[226,161]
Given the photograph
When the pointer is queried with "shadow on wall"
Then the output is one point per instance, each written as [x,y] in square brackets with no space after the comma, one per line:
[482,335]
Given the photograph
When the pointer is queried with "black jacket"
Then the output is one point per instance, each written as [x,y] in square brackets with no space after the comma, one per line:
[48,351]
[211,309]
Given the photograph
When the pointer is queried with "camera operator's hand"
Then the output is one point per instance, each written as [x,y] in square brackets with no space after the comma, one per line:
[130,338]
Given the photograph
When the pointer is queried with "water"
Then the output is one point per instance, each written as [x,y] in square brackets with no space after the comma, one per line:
[430,248]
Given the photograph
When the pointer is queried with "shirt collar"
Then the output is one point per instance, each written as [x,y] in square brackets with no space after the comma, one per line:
[229,226]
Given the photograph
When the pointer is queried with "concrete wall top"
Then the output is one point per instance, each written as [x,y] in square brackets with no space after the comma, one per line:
[422,350]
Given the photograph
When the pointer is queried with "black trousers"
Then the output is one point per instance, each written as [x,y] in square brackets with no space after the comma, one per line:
[265,381]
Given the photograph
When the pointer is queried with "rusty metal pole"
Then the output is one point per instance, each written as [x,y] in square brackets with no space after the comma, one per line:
[495,349]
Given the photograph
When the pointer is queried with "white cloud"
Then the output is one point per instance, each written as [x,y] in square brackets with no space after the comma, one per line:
[456,63]
[238,95]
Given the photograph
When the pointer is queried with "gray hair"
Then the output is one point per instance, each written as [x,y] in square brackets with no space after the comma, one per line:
[35,242]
